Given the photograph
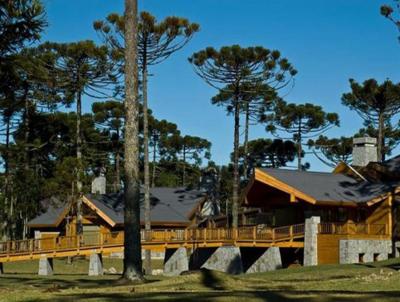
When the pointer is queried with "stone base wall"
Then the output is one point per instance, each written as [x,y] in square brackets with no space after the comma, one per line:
[176,261]
[356,251]
[154,255]
[269,260]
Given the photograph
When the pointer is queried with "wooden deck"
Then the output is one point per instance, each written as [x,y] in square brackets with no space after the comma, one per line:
[288,236]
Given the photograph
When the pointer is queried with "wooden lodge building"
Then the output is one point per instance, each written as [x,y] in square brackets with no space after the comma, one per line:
[349,215]
[355,206]
[171,208]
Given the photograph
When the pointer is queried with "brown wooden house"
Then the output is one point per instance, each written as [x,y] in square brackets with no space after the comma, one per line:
[356,206]
[172,208]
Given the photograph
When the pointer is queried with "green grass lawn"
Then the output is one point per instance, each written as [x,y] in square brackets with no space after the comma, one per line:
[367,283]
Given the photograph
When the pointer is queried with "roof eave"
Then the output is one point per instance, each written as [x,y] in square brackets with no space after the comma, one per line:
[267,179]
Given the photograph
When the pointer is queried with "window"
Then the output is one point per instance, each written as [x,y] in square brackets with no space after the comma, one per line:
[342,215]
[361,258]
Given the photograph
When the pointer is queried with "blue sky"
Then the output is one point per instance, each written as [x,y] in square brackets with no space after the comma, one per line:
[327,41]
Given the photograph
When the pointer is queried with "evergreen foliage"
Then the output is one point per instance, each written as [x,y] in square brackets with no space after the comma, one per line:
[234,67]
[301,121]
[377,104]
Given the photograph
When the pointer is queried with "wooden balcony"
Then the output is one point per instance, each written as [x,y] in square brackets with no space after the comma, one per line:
[287,236]
[336,228]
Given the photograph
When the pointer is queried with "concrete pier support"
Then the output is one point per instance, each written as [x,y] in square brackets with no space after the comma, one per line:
[260,260]
[45,266]
[311,241]
[96,265]
[225,259]
[176,261]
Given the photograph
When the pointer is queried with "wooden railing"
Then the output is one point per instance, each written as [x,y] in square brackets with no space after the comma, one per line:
[353,229]
[97,240]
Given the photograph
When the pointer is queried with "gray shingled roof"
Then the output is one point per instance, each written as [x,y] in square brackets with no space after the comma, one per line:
[393,164]
[54,209]
[169,205]
[324,186]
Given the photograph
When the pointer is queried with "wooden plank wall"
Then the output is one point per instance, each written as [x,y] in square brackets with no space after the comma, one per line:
[381,213]
[328,248]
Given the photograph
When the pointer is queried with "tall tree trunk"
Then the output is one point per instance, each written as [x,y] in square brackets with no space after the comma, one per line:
[299,148]
[246,141]
[153,176]
[7,197]
[79,226]
[117,186]
[184,167]
[236,179]
[27,133]
[147,217]
[381,137]
[132,243]
[27,157]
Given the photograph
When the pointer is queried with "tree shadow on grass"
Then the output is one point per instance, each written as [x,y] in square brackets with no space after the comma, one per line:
[267,296]
[60,281]
[210,280]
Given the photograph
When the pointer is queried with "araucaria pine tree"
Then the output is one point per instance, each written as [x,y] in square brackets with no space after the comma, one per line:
[257,100]
[156,42]
[333,150]
[377,104]
[233,66]
[83,68]
[301,121]
[21,22]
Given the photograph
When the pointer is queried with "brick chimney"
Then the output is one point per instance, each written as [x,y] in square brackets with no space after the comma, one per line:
[99,184]
[364,151]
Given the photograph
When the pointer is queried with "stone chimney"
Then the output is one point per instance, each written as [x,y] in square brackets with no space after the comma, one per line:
[364,151]
[99,184]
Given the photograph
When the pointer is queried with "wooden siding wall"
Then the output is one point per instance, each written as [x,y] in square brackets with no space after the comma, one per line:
[328,248]
[381,213]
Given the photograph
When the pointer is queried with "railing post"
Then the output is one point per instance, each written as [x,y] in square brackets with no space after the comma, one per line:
[291,232]
[78,242]
[368,229]
[31,245]
[273,234]
[205,234]
[254,233]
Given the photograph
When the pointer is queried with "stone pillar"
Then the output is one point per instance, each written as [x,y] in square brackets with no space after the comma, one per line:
[259,260]
[311,241]
[95,265]
[175,261]
[225,259]
[45,266]
[1,268]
